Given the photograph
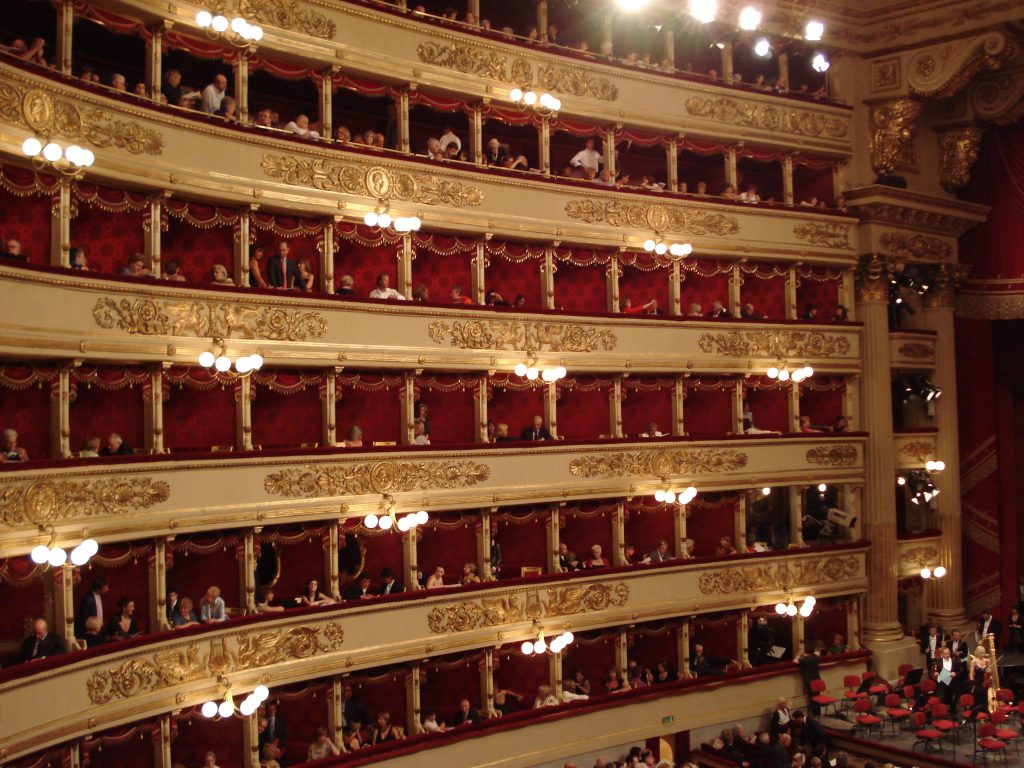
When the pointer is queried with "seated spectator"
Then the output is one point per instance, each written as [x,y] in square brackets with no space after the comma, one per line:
[355,437]
[501,434]
[345,286]
[458,297]
[90,605]
[449,137]
[841,424]
[385,730]
[502,705]
[211,760]
[811,202]
[13,250]
[282,272]
[750,195]
[452,152]
[360,590]
[313,596]
[702,188]
[123,624]
[729,191]
[494,299]
[519,302]
[322,747]
[136,266]
[748,312]
[256,279]
[354,735]
[662,673]
[76,256]
[579,683]
[567,560]
[810,312]
[841,204]
[696,310]
[34,53]
[419,432]
[469,574]
[660,553]
[185,616]
[211,608]
[91,448]
[589,159]
[267,604]
[116,446]
[384,289]
[220,275]
[389,585]
[627,308]
[342,134]
[536,431]
[613,682]
[264,119]
[725,547]
[269,755]
[214,94]
[172,87]
[750,429]
[421,293]
[172,271]
[300,127]
[434,149]
[117,82]
[436,579]
[465,714]
[805,425]
[718,312]
[41,643]
[496,154]
[841,315]
[306,280]
[545,697]
[11,450]
[652,431]
[429,722]
[596,558]
[228,110]
[703,666]
[93,632]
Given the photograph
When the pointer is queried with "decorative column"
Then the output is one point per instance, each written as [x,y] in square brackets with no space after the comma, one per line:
[241,68]
[410,562]
[336,709]
[675,289]
[155,58]
[162,743]
[474,8]
[783,59]
[60,224]
[404,257]
[325,91]
[615,407]
[329,408]
[330,543]
[553,539]
[247,569]
[153,403]
[619,533]
[487,683]
[65,31]
[670,45]
[64,603]
[727,65]
[678,406]
[683,649]
[792,311]
[740,531]
[551,408]
[404,141]
[152,229]
[796,516]
[243,239]
[158,584]
[672,162]
[251,741]
[679,515]
[848,293]
[407,403]
[743,640]
[793,405]
[555,675]
[243,413]
[799,643]
[946,599]
[853,623]
[476,134]
[735,283]
[608,139]
[60,414]
[326,250]
[882,632]
[547,277]
[413,683]
[480,409]
[737,407]
[542,19]
[544,133]
[478,277]
[607,29]
[730,166]
[484,532]
[612,273]
[787,178]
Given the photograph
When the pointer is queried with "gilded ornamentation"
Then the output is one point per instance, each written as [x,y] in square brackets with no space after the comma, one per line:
[827,235]
[833,455]
[956,16]
[774,344]
[958,149]
[916,350]
[660,218]
[154,317]
[374,181]
[480,62]
[58,117]
[885,74]
[916,247]
[284,14]
[942,70]
[893,130]
[910,216]
[659,463]
[920,450]
[521,336]
[45,501]
[872,279]
[379,477]
[252,650]
[920,556]
[942,285]
[527,605]
[766,117]
[771,578]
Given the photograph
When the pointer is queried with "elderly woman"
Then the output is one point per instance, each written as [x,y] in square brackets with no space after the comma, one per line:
[185,616]
[11,450]
[596,558]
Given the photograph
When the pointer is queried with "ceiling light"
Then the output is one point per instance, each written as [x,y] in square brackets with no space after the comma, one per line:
[204,19]
[219,24]
[762,47]
[750,18]
[901,480]
[814,30]
[926,572]
[822,487]
[704,11]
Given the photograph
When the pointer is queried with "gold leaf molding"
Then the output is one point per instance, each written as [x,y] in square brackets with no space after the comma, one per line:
[527,605]
[374,181]
[53,116]
[916,247]
[378,477]
[251,650]
[766,117]
[828,235]
[922,450]
[893,131]
[152,317]
[771,578]
[775,344]
[958,149]
[909,216]
[284,14]
[660,218]
[45,501]
[653,463]
[521,336]
[920,556]
[833,455]
[916,350]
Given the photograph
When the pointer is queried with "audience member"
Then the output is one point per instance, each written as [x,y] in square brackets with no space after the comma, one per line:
[345,286]
[519,302]
[300,127]
[267,603]
[211,608]
[116,446]
[11,450]
[306,280]
[465,714]
[256,279]
[748,312]
[12,250]
[172,271]
[696,310]
[123,625]
[76,257]
[34,53]
[136,266]
[627,308]
[536,431]
[313,596]
[269,756]
[436,579]
[421,293]
[725,547]
[275,733]
[704,666]
[545,697]
[354,438]
[780,722]
[841,424]
[228,110]
[469,574]
[718,311]
[360,589]
[841,315]
[810,312]
[613,682]
[91,448]
[385,730]
[383,289]
[389,585]
[210,761]
[652,431]
[41,644]
[419,432]
[596,559]
[458,297]
[589,159]
[660,554]
[567,560]
[322,747]
[91,605]
[282,272]
[429,722]
[220,275]
[92,634]
[185,617]
[805,425]
[214,94]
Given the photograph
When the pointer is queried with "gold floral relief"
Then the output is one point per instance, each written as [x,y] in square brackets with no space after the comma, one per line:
[916,350]
[919,450]
[660,218]
[527,605]
[775,344]
[828,235]
[920,556]
[154,317]
[958,149]
[659,463]
[284,14]
[872,279]
[45,501]
[909,216]
[776,576]
[535,336]
[832,455]
[377,182]
[893,132]
[379,477]
[907,247]
[245,651]
[767,117]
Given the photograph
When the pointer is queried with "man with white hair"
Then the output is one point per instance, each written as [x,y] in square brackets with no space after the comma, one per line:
[11,450]
[115,446]
[41,643]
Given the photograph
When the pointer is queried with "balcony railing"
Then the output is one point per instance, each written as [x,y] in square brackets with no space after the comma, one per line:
[912,350]
[915,447]
[917,551]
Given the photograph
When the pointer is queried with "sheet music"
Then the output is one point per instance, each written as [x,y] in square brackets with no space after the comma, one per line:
[945,676]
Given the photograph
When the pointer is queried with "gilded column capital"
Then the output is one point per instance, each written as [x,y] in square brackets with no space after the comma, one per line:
[893,129]
[958,149]
[872,279]
[943,282]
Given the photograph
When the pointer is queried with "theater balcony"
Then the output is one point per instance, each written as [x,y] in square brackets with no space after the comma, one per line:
[912,350]
[918,550]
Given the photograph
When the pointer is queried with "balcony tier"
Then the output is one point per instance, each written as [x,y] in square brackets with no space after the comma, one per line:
[917,551]
[912,350]
[914,448]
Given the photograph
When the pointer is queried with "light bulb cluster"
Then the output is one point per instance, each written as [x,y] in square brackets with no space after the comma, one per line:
[934,466]
[69,161]
[58,556]
[226,708]
[676,497]
[660,247]
[820,63]
[540,646]
[245,32]
[784,374]
[391,520]
[222,363]
[540,102]
[920,483]
[398,223]
[531,372]
[928,573]
[789,608]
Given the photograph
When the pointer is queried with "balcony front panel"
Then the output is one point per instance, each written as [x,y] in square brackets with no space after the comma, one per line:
[179,669]
[912,350]
[917,552]
[150,496]
[915,448]
[163,149]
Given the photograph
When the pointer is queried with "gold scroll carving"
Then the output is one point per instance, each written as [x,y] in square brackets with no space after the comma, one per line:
[893,130]
[920,556]
[832,455]
[916,247]
[776,344]
[377,477]
[954,16]
[380,183]
[916,350]
[52,116]
[660,218]
[655,463]
[942,70]
[481,62]
[284,14]
[958,149]
[521,336]
[153,317]
[527,605]
[909,216]
[828,235]
[872,279]
[251,650]
[45,501]
[921,450]
[767,117]
[771,578]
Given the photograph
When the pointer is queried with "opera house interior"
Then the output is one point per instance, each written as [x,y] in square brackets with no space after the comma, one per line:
[511,383]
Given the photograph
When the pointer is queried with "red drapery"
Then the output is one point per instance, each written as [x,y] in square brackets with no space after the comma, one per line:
[513,269]
[25,394]
[381,690]
[712,516]
[448,540]
[653,643]
[370,401]
[26,201]
[442,263]
[812,179]
[523,674]
[593,653]
[449,679]
[718,636]
[708,408]
[109,224]
[199,411]
[108,399]
[521,532]
[125,567]
[646,399]
[514,401]
[695,167]
[822,398]
[768,400]
[580,281]
[450,401]
[827,621]
[304,708]
[199,561]
[197,237]
[363,253]
[286,408]
[764,286]
[128,745]
[22,590]
[643,278]
[647,525]
[764,171]
[703,281]
[585,524]
[379,550]
[583,407]
[300,556]
[820,287]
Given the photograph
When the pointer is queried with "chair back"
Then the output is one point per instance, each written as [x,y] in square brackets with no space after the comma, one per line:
[939,709]
[851,681]
[892,700]
[986,731]
[862,705]
[902,669]
[966,700]
[869,675]
[928,685]
[817,686]
[909,692]
[998,718]
[918,718]
[1004,695]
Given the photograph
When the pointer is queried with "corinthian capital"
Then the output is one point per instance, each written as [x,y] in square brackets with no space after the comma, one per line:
[958,149]
[872,279]
[893,129]
[942,284]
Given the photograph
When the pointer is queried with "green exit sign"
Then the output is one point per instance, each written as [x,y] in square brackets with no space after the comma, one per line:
[668,719]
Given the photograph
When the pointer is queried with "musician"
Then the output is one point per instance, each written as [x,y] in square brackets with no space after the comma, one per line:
[989,625]
[947,672]
[931,645]
[978,669]
[957,646]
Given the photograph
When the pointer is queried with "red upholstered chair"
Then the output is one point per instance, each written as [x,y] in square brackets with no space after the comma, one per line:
[909,696]
[1004,699]
[928,686]
[902,671]
[865,720]
[1003,731]
[924,734]
[820,698]
[878,685]
[987,744]
[941,720]
[852,683]
[897,713]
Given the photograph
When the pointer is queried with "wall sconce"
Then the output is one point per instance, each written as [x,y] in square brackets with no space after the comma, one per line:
[540,646]
[529,370]
[389,519]
[788,608]
[57,556]
[70,162]
[219,360]
[659,246]
[226,708]
[544,103]
[243,34]
[668,496]
[782,373]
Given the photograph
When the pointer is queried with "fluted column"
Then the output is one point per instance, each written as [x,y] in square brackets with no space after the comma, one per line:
[610,137]
[243,414]
[946,598]
[65,33]
[60,225]
[331,570]
[678,407]
[615,407]
[672,162]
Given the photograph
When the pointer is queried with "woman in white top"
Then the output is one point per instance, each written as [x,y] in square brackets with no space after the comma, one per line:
[212,608]
[436,579]
[545,698]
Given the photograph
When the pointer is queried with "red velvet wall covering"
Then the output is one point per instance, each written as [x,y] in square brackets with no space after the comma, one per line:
[448,539]
[303,707]
[442,273]
[448,680]
[109,237]
[819,287]
[654,642]
[521,532]
[450,412]
[523,674]
[377,412]
[204,561]
[22,592]
[640,284]
[711,517]
[199,418]
[381,690]
[515,407]
[769,403]
[594,654]
[196,735]
[27,220]
[641,406]
[580,288]
[764,286]
[821,398]
[717,633]
[286,420]
[694,168]
[708,411]
[382,549]
[511,278]
[100,412]
[125,746]
[364,254]
[301,555]
[125,567]
[647,525]
[583,407]
[767,175]
[703,281]
[197,250]
[585,524]
[827,621]
[28,412]
[810,182]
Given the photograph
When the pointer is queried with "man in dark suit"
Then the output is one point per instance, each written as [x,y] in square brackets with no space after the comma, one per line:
[275,732]
[496,154]
[774,755]
[931,645]
[360,590]
[171,606]
[537,430]
[41,643]
[947,672]
[282,272]
[91,605]
[988,625]
[660,554]
[389,585]
[466,714]
[810,670]
[958,646]
[352,710]
[808,731]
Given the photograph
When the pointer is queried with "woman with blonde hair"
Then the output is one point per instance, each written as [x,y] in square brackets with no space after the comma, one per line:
[545,698]
[212,608]
[469,574]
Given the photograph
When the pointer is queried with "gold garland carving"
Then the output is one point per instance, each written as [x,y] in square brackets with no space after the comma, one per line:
[664,463]
[770,578]
[254,650]
[893,130]
[958,149]
[480,62]
[375,181]
[907,216]
[916,350]
[284,14]
[920,556]
[497,611]
[916,247]
[833,455]
[828,235]
[521,336]
[776,344]
[767,117]
[45,501]
[660,218]
[57,117]
[152,317]
[378,477]
[921,450]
